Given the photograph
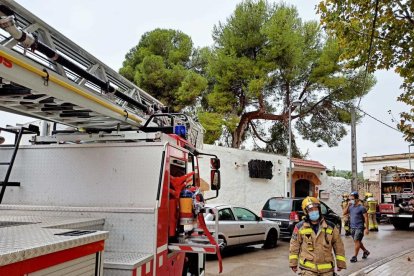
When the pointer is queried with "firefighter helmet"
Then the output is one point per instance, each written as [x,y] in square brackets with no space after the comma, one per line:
[368,194]
[345,195]
[310,202]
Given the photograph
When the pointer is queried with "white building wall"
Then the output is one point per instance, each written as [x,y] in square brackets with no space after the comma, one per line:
[371,169]
[237,187]
[336,187]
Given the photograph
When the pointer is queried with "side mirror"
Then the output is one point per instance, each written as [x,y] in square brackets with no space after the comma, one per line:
[215,180]
[215,163]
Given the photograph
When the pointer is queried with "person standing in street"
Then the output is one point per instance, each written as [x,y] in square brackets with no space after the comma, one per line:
[371,205]
[345,218]
[316,243]
[359,224]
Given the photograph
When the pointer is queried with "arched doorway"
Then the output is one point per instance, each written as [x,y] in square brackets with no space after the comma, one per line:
[305,184]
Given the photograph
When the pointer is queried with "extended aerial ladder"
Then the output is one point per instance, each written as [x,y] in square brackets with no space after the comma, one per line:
[45,75]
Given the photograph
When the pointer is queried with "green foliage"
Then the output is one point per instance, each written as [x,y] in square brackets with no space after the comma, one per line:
[212,123]
[161,64]
[345,174]
[264,57]
[393,40]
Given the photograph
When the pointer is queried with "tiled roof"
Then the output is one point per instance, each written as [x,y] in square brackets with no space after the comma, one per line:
[308,163]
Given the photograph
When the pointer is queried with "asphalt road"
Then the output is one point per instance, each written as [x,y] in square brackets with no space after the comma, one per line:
[255,261]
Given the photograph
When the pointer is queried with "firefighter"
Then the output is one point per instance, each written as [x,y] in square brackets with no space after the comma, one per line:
[371,205]
[364,201]
[345,218]
[312,242]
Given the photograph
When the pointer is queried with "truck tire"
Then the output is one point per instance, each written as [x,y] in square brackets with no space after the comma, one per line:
[271,239]
[401,224]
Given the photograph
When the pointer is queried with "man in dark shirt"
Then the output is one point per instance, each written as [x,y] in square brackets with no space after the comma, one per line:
[358,216]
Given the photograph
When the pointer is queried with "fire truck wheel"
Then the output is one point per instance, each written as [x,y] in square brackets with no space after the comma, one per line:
[400,224]
[271,239]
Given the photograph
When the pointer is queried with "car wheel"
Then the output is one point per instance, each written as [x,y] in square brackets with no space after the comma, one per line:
[271,239]
[223,244]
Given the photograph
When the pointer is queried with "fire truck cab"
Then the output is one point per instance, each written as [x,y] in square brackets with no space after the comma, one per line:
[109,182]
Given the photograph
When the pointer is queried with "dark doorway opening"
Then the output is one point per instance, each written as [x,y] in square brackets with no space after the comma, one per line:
[302,188]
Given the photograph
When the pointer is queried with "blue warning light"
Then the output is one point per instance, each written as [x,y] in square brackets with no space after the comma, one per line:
[180,131]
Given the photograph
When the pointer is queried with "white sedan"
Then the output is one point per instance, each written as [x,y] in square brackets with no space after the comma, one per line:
[240,226]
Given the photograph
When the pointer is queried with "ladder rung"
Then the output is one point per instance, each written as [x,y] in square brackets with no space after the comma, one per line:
[4,163]
[10,184]
[8,146]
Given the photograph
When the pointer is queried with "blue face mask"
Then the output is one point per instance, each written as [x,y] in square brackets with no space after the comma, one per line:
[314,215]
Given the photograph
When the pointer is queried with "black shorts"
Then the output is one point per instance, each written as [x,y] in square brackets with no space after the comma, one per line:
[357,234]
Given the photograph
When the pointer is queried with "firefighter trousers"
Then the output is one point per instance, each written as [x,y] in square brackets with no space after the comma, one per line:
[345,225]
[311,273]
[373,225]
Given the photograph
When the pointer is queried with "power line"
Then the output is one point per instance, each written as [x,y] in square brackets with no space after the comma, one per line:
[372,117]
[370,48]
[379,121]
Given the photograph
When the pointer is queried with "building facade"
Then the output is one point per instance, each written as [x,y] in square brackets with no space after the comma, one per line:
[373,164]
[250,178]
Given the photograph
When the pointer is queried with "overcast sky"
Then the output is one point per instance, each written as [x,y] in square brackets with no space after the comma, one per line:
[108,29]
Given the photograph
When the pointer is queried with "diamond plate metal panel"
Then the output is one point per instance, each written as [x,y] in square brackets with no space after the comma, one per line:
[92,175]
[125,260]
[28,241]
[117,272]
[128,232]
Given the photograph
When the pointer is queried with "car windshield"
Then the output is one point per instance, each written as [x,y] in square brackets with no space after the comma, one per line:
[278,205]
[297,205]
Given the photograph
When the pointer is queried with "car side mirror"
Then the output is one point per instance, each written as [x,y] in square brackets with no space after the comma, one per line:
[215,180]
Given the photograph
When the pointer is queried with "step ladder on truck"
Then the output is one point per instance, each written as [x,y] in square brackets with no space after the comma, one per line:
[117,192]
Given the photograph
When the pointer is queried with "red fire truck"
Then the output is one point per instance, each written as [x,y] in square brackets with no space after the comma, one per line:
[396,186]
[109,182]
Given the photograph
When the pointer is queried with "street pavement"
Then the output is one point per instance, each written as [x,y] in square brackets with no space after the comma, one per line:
[398,264]
[255,261]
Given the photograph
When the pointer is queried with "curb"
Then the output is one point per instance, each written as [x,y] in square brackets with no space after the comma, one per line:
[370,268]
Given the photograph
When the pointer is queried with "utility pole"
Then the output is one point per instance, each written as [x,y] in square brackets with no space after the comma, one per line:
[289,191]
[354,151]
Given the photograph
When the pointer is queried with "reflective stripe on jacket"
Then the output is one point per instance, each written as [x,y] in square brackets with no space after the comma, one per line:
[315,252]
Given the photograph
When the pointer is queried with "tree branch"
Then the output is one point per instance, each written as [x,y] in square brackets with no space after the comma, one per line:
[304,90]
[407,14]
[257,134]
[300,115]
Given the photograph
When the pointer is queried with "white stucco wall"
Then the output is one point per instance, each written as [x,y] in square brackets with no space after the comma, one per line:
[371,169]
[237,187]
[336,187]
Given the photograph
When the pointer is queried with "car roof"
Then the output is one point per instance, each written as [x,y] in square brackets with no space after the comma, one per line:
[217,205]
[287,198]
[222,206]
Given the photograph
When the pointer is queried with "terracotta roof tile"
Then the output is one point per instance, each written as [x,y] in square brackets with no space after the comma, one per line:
[308,163]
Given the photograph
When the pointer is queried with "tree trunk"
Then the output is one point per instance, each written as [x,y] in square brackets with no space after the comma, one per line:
[244,122]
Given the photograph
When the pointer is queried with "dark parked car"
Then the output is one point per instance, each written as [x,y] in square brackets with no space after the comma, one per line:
[288,211]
